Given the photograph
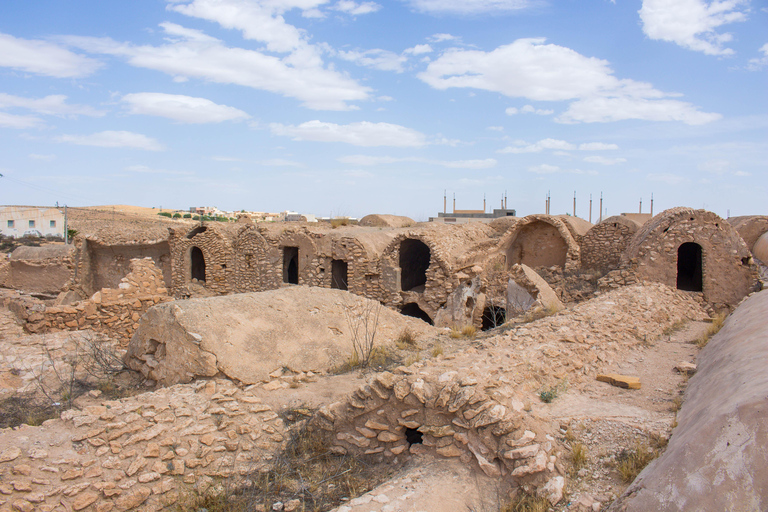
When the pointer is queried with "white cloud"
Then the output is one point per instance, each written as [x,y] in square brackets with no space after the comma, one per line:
[692,23]
[54,104]
[114,139]
[186,109]
[760,62]
[359,134]
[451,164]
[604,161]
[528,109]
[439,38]
[191,53]
[520,146]
[530,69]
[419,49]
[20,122]
[471,6]
[280,162]
[43,58]
[356,9]
[668,178]
[495,128]
[602,110]
[377,59]
[597,146]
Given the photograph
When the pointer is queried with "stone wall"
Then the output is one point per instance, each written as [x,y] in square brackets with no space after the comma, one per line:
[604,244]
[218,254]
[727,271]
[103,266]
[46,269]
[114,312]
[139,453]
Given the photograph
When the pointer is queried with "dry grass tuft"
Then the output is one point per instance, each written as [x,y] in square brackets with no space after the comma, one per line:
[523,502]
[406,340]
[465,331]
[631,462]
[714,328]
[578,458]
[437,350]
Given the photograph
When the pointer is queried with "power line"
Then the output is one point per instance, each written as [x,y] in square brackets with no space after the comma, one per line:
[56,193]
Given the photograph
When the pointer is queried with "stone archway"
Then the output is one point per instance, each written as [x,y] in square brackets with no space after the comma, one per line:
[690,268]
[414,261]
[413,309]
[197,264]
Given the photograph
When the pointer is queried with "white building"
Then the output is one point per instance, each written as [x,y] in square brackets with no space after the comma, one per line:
[18,221]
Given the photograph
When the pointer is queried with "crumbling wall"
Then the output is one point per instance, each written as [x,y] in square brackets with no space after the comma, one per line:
[217,252]
[727,273]
[750,228]
[114,312]
[45,269]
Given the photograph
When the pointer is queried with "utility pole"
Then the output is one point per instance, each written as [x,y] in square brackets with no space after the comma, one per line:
[601,208]
[66,228]
[574,203]
[590,208]
[641,205]
[651,204]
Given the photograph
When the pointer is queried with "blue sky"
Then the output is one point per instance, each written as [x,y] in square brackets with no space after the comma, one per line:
[347,107]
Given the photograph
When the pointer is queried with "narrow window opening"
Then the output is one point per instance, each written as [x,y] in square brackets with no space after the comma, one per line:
[339,274]
[689,267]
[197,264]
[493,316]
[414,261]
[413,309]
[291,265]
[413,436]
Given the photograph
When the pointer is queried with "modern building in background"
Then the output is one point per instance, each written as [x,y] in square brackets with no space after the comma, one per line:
[19,221]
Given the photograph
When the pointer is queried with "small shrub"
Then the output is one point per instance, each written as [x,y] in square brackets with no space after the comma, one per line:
[548,395]
[187,215]
[632,462]
[176,215]
[165,214]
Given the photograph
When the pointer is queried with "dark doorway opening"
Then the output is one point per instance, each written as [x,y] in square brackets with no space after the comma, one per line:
[339,274]
[414,261]
[690,271]
[197,261]
[291,265]
[413,309]
[413,436]
[493,316]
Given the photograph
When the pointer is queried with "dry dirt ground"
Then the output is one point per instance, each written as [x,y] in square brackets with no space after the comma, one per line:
[605,420]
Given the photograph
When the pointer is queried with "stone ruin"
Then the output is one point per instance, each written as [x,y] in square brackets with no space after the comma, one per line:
[442,274]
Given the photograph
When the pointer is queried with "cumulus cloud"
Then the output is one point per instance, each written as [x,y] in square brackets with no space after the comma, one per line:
[355,8]
[529,68]
[528,109]
[143,169]
[439,38]
[54,104]
[19,122]
[760,62]
[377,59]
[604,161]
[186,109]
[359,134]
[192,54]
[692,24]
[520,146]
[114,139]
[419,49]
[44,158]
[471,6]
[43,58]
[451,164]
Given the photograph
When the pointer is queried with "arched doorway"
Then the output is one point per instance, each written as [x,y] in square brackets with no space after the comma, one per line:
[538,244]
[197,264]
[414,261]
[291,265]
[690,270]
[413,309]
